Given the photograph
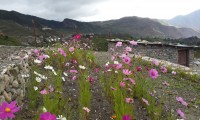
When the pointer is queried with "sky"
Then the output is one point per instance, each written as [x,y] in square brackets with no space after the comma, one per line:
[100,10]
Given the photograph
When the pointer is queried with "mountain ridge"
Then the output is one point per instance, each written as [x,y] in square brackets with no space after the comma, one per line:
[134,26]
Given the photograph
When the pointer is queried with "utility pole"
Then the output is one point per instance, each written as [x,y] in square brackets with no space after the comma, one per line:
[34,34]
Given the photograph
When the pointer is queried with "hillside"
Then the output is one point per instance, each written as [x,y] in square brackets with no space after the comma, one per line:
[191,20]
[16,24]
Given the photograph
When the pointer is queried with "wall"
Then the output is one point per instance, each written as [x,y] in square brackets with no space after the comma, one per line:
[163,52]
[14,74]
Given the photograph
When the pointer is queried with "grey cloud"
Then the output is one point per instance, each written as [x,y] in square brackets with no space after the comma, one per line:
[52,9]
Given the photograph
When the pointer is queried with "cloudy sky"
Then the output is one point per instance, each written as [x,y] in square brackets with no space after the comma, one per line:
[99,10]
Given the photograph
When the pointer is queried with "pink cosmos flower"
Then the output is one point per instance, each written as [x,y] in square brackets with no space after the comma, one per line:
[44,92]
[96,70]
[91,80]
[73,71]
[7,110]
[118,44]
[62,52]
[126,72]
[126,117]
[133,42]
[122,55]
[181,114]
[51,89]
[47,116]
[71,49]
[118,66]
[36,52]
[127,60]
[128,49]
[77,36]
[132,81]
[86,109]
[74,78]
[74,61]
[155,62]
[180,99]
[153,73]
[42,57]
[163,69]
[129,100]
[113,88]
[139,68]
[122,84]
[145,101]
[165,83]
[67,64]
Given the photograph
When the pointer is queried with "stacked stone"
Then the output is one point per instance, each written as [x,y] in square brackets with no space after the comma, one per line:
[13,78]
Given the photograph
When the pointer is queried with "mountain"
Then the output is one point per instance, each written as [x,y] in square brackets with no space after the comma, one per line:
[145,27]
[191,20]
[14,24]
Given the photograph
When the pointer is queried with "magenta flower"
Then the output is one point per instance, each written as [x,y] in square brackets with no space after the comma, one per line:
[122,84]
[118,44]
[131,80]
[113,88]
[153,73]
[96,70]
[47,116]
[145,101]
[129,100]
[71,49]
[126,72]
[163,69]
[8,110]
[128,49]
[77,36]
[139,68]
[133,42]
[127,60]
[126,117]
[180,99]
[67,64]
[73,71]
[181,114]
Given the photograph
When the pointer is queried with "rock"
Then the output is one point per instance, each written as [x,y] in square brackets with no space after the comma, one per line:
[15,84]
[2,99]
[6,80]
[2,86]
[7,96]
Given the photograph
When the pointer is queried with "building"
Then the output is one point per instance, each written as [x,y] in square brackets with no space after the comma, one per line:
[179,54]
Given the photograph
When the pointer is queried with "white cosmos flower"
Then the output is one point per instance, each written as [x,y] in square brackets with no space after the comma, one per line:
[54,72]
[82,67]
[116,71]
[60,117]
[37,61]
[116,62]
[38,79]
[48,67]
[65,74]
[44,109]
[41,76]
[35,88]
[107,63]
[63,79]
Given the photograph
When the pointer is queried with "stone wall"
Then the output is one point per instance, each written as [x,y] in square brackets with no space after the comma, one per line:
[14,74]
[162,52]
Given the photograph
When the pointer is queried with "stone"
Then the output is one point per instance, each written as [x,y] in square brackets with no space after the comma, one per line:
[2,86]
[2,99]
[15,84]
[7,96]
[6,80]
